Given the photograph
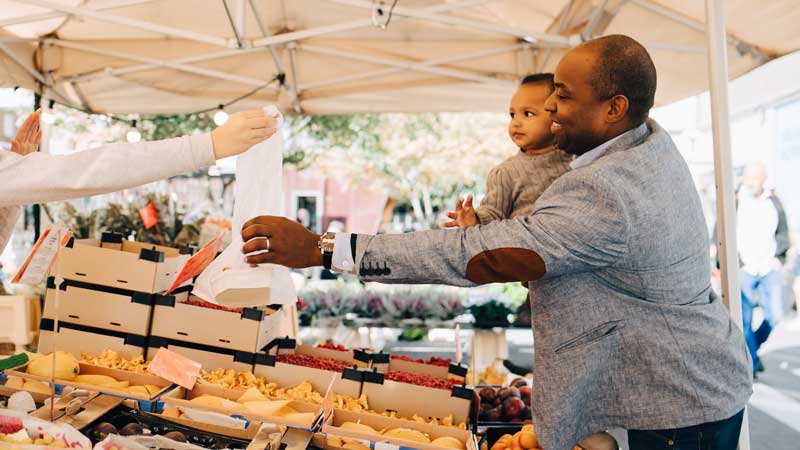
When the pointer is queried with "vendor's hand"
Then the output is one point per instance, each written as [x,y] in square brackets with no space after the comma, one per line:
[28,136]
[242,131]
[464,216]
[289,243]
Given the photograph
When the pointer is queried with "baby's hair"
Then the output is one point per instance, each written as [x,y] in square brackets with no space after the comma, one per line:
[537,78]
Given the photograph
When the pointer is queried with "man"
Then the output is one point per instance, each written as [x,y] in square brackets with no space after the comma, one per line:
[31,177]
[763,238]
[628,333]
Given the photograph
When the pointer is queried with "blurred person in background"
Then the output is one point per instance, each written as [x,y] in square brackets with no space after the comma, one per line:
[762,234]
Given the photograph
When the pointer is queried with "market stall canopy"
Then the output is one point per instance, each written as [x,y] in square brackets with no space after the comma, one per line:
[351,56]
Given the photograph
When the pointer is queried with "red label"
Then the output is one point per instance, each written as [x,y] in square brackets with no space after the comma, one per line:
[149,215]
[198,262]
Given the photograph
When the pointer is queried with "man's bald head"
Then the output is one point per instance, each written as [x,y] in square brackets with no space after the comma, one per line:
[623,67]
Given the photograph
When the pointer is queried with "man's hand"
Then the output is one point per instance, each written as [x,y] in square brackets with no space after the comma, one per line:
[242,131]
[289,243]
[28,136]
[464,216]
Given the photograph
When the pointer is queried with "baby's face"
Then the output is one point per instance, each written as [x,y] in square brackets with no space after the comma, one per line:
[530,123]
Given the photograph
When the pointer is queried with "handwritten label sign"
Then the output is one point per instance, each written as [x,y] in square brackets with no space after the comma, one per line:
[41,258]
[198,262]
[175,368]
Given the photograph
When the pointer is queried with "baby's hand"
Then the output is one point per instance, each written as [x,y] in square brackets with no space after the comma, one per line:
[464,216]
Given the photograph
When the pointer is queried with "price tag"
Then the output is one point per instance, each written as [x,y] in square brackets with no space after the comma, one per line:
[175,368]
[386,446]
[198,262]
[38,263]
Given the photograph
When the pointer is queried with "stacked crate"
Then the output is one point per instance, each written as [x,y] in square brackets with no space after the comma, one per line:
[106,295]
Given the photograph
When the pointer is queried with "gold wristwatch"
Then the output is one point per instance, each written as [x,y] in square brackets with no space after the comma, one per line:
[326,243]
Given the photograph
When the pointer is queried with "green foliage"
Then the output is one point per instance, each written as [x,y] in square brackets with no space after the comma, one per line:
[163,126]
[126,220]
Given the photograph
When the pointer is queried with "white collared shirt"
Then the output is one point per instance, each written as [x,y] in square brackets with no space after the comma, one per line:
[590,156]
[756,224]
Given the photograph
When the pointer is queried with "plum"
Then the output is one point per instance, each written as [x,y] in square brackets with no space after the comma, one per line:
[132,429]
[103,429]
[525,393]
[519,383]
[512,407]
[488,395]
[494,414]
[176,436]
[507,392]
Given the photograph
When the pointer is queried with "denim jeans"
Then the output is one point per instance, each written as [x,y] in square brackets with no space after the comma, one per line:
[722,435]
[770,297]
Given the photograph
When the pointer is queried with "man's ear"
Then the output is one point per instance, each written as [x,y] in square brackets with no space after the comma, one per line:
[617,108]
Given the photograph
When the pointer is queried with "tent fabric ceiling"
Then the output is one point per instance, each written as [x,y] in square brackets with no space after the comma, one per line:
[178,56]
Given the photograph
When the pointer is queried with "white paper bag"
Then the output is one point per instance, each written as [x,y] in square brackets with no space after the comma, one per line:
[229,280]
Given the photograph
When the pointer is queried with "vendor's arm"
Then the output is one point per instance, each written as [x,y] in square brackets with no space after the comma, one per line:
[579,225]
[39,177]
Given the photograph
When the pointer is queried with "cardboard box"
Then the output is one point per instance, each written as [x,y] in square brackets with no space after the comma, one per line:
[409,399]
[248,331]
[286,345]
[287,375]
[38,397]
[136,266]
[182,397]
[385,363]
[76,339]
[96,406]
[209,357]
[248,433]
[134,379]
[104,307]
[332,428]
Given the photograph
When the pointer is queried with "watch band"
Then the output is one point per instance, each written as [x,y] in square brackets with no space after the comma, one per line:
[327,260]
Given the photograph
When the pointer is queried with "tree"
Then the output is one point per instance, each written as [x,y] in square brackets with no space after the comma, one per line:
[427,160]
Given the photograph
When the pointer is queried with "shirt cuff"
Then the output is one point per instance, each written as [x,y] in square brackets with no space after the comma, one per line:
[202,150]
[343,254]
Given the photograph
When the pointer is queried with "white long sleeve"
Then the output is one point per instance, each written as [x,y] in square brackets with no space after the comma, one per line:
[40,177]
[8,218]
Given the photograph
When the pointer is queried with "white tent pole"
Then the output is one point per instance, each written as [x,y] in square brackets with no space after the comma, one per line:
[402,64]
[284,38]
[723,170]
[111,4]
[121,20]
[431,63]
[158,63]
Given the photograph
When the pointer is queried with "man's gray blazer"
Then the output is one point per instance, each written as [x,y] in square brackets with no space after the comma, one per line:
[628,332]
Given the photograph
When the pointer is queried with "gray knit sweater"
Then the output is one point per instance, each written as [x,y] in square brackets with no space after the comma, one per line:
[513,187]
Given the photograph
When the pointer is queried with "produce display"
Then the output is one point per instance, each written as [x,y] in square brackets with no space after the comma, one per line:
[331,346]
[13,431]
[113,360]
[433,360]
[506,404]
[407,434]
[252,402]
[525,439]
[316,362]
[27,385]
[68,369]
[129,422]
[304,392]
[422,380]
[66,366]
